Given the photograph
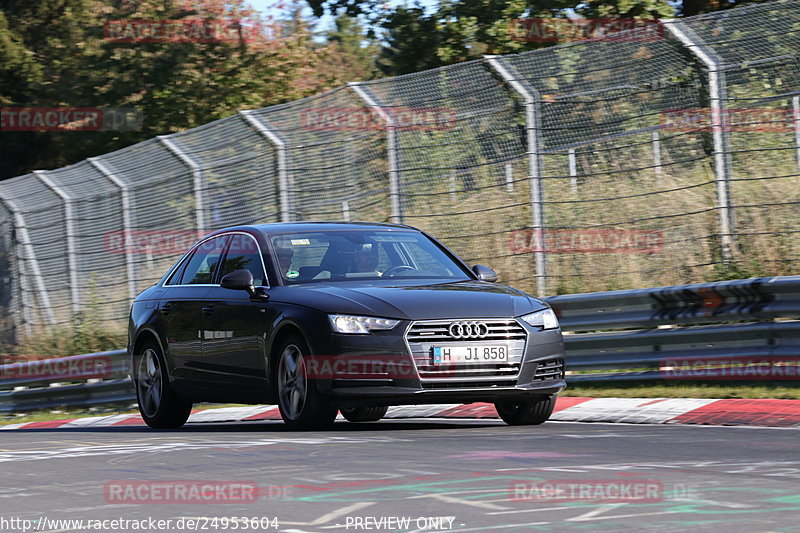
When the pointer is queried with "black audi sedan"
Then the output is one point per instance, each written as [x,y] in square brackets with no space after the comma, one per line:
[334,317]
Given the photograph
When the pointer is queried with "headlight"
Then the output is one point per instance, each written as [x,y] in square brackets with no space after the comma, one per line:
[545,319]
[359,324]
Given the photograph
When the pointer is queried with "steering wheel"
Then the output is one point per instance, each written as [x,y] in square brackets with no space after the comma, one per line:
[395,269]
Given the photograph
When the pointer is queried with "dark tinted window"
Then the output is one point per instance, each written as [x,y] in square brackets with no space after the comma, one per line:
[201,265]
[175,278]
[243,253]
[324,256]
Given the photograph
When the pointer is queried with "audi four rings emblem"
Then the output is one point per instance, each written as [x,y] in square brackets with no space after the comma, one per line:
[468,330]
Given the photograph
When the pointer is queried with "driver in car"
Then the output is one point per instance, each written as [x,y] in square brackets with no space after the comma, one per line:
[365,259]
[284,258]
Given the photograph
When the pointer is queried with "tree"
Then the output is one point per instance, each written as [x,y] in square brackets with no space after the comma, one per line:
[412,41]
[696,7]
[350,58]
[462,30]
[55,54]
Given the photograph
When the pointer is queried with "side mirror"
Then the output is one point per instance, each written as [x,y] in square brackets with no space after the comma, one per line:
[484,273]
[239,280]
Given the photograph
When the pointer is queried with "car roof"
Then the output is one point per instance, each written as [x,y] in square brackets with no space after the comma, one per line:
[291,227]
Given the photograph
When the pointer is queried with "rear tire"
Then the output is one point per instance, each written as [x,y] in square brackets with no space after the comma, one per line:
[526,412]
[159,406]
[300,403]
[364,414]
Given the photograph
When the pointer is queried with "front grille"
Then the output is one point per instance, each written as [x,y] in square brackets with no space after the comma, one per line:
[550,370]
[423,336]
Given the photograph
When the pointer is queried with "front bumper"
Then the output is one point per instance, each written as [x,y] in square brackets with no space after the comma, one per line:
[540,372]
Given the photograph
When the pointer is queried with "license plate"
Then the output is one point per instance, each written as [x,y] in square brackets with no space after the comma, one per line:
[443,355]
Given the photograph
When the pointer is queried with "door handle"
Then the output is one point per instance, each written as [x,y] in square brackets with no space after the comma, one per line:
[209,310]
[165,309]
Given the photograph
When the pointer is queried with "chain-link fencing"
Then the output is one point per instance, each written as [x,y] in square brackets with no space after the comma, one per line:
[635,160]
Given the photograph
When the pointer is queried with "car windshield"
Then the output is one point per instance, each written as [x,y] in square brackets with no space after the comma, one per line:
[348,255]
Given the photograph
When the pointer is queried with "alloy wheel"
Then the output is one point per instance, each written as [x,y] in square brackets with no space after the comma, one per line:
[292,384]
[150,382]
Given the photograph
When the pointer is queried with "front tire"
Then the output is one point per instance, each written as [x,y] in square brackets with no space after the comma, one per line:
[527,411]
[158,404]
[364,414]
[300,404]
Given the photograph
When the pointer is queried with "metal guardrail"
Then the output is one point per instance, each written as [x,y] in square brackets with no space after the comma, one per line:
[736,330]
[739,330]
[76,381]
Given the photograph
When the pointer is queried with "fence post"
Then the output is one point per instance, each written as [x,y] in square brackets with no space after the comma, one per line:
[282,157]
[532,102]
[656,151]
[197,176]
[391,149]
[30,259]
[573,170]
[127,225]
[796,117]
[72,258]
[719,125]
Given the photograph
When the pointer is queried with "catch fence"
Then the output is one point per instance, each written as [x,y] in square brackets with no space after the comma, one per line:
[630,161]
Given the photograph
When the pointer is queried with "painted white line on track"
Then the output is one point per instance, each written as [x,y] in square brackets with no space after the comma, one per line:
[97,421]
[594,515]
[160,447]
[471,503]
[228,414]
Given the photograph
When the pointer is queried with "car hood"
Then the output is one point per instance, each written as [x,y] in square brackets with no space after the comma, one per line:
[412,301]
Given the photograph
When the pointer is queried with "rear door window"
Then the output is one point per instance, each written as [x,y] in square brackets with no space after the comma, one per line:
[203,262]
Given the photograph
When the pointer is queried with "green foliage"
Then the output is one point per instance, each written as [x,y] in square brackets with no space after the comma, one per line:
[54,54]
[418,38]
[695,7]
[353,60]
[87,333]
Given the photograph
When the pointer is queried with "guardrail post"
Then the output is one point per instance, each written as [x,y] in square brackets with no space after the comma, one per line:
[573,170]
[72,259]
[197,176]
[656,151]
[127,225]
[719,125]
[796,117]
[29,258]
[391,149]
[282,157]
[532,102]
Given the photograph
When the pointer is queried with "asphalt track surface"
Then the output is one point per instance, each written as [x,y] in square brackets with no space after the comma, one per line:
[439,475]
